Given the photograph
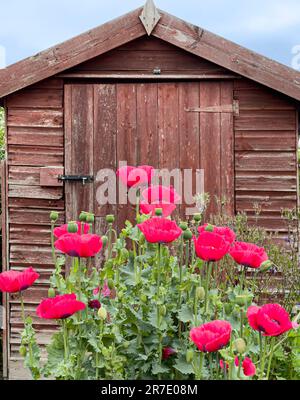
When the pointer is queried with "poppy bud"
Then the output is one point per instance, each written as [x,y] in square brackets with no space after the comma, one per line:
[51,293]
[197,217]
[183,226]
[23,351]
[104,240]
[187,235]
[126,344]
[163,310]
[200,293]
[189,355]
[82,216]
[209,228]
[243,299]
[54,216]
[72,227]
[158,212]
[94,304]
[90,218]
[240,345]
[102,313]
[265,266]
[110,284]
[110,219]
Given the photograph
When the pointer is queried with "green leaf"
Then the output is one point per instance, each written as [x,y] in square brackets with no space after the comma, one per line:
[185,314]
[182,366]
[159,369]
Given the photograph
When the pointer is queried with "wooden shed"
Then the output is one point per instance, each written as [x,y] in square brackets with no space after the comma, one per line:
[146,88]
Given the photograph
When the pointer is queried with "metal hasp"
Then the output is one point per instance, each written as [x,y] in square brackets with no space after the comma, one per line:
[76,178]
[150,16]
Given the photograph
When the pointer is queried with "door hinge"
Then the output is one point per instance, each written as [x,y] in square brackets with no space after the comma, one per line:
[76,178]
[223,108]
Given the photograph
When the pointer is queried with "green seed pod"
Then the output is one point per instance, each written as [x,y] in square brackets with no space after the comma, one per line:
[104,240]
[163,310]
[126,344]
[51,293]
[23,351]
[243,299]
[82,216]
[54,216]
[265,266]
[183,226]
[209,228]
[72,227]
[200,293]
[110,219]
[90,218]
[187,235]
[197,217]
[228,308]
[102,313]
[240,345]
[189,355]
[158,212]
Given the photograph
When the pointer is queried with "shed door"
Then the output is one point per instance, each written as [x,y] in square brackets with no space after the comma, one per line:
[167,125]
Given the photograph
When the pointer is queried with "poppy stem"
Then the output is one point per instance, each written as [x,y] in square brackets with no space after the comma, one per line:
[158,267]
[263,358]
[109,241]
[65,334]
[52,243]
[270,357]
[242,322]
[22,307]
[209,269]
[200,367]
[137,206]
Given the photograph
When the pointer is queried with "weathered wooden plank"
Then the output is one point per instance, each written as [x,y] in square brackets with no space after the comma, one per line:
[29,117]
[268,202]
[72,52]
[30,254]
[265,120]
[35,192]
[263,181]
[270,223]
[58,205]
[210,142]
[34,234]
[53,137]
[265,140]
[35,156]
[262,99]
[36,98]
[19,175]
[79,128]
[105,141]
[265,161]
[189,140]
[227,149]
[29,216]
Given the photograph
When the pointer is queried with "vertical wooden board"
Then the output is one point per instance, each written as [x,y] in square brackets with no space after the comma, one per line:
[189,140]
[210,139]
[168,132]
[227,149]
[105,142]
[147,132]
[79,147]
[127,140]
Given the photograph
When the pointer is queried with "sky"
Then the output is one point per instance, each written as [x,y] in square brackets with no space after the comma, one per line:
[270,27]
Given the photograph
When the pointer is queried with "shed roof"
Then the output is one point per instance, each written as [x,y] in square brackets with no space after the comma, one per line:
[170,29]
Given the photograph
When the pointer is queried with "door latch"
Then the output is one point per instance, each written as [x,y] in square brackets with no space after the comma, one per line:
[76,178]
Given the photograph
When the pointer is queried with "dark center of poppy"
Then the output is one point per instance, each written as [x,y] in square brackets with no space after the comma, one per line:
[64,316]
[73,253]
[24,287]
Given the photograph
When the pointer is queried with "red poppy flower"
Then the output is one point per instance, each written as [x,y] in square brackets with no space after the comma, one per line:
[210,246]
[76,245]
[135,176]
[63,229]
[160,230]
[271,319]
[227,234]
[247,365]
[162,197]
[168,352]
[248,254]
[59,307]
[17,281]
[211,336]
[106,291]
